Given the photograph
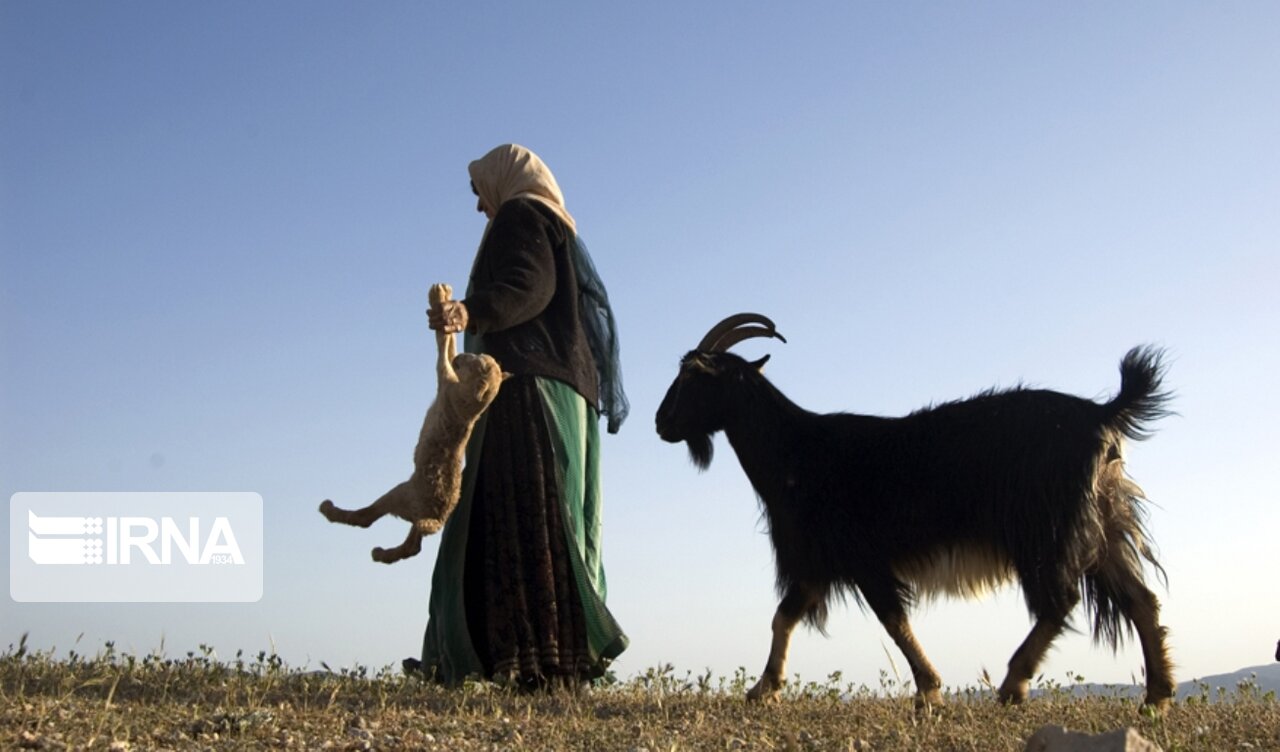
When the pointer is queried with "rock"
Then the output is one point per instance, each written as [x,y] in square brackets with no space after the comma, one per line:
[1058,739]
[29,740]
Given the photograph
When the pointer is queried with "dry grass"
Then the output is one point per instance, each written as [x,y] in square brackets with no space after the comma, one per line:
[128,702]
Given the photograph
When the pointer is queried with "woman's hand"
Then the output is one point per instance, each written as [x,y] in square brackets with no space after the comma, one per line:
[449,317]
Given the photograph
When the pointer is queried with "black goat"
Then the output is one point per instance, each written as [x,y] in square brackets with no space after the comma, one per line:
[953,499]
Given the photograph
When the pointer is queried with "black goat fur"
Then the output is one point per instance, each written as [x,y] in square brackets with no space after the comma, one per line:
[1030,480]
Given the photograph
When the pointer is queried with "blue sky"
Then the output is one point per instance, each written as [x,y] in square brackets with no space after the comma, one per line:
[218,223]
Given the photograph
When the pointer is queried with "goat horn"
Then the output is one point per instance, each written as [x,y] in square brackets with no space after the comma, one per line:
[746,332]
[731,331]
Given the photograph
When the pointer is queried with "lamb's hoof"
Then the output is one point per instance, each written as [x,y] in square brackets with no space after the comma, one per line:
[439,293]
[384,556]
[326,508]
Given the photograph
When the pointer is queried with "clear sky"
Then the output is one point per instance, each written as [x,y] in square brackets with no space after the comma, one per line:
[218,223]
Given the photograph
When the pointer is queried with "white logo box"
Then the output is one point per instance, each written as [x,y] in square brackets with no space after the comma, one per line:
[143,547]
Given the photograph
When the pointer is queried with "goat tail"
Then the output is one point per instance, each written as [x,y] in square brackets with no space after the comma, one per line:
[1141,399]
[1115,591]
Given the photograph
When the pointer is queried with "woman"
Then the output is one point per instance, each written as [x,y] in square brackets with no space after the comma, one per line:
[519,588]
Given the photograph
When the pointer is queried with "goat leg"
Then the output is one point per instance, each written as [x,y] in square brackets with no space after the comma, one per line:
[1022,666]
[892,614]
[1145,613]
[795,604]
[1142,608]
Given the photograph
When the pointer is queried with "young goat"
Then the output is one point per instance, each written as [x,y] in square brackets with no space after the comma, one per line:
[954,499]
[466,385]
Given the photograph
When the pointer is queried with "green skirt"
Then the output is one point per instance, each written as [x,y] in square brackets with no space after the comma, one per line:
[519,589]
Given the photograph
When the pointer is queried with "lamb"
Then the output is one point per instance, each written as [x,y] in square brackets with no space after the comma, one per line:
[466,385]
[956,499]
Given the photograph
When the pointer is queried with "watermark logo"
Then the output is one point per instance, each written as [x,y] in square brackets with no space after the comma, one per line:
[45,548]
[48,542]
[135,547]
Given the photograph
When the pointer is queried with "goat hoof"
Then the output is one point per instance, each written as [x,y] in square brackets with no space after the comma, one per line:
[326,508]
[1156,706]
[763,692]
[1015,695]
[929,699]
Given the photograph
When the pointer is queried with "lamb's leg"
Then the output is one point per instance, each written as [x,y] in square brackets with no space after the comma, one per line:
[390,502]
[446,351]
[795,604]
[1022,666]
[446,344]
[889,608]
[411,546]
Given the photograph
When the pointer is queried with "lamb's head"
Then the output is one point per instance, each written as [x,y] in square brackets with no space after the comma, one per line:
[697,402]
[479,377]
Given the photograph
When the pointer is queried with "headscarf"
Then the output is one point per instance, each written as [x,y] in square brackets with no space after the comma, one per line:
[511,171]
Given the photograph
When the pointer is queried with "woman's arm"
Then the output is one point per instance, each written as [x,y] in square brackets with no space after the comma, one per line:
[516,269]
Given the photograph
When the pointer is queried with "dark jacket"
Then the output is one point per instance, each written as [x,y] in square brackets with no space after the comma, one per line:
[523,298]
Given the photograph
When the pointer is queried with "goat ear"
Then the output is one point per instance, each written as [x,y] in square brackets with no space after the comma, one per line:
[759,364]
[697,362]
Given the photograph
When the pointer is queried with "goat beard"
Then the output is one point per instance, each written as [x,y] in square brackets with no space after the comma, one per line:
[700,450]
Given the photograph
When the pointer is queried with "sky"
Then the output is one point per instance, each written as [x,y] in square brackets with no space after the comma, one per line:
[219,221]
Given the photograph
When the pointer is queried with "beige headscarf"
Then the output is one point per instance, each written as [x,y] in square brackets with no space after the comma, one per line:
[512,171]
